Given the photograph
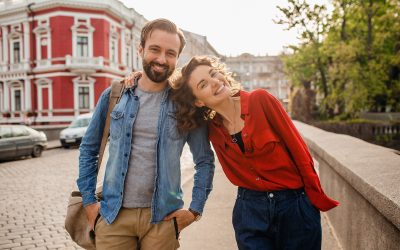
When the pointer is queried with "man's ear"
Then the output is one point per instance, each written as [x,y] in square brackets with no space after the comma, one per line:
[199,103]
[140,50]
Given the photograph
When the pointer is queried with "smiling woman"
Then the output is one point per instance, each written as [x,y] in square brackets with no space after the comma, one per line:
[261,152]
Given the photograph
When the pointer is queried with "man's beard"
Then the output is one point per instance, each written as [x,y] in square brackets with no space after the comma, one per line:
[154,75]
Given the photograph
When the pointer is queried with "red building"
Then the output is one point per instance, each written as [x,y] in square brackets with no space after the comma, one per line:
[56,57]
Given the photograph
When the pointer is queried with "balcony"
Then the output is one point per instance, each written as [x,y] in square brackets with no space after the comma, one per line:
[43,63]
[22,66]
[84,64]
[3,67]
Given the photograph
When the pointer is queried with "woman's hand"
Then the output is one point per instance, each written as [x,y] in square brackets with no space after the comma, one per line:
[128,80]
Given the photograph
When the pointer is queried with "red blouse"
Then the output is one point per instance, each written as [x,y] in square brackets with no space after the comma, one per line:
[275,157]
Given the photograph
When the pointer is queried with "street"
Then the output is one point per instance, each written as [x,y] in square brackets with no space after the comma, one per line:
[33,200]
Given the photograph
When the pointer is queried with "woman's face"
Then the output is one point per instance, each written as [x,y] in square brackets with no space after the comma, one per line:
[209,86]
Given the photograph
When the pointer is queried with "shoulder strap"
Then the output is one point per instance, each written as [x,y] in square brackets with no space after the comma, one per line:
[116,91]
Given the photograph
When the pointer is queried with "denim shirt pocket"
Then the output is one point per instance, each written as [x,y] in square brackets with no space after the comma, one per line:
[116,124]
[171,125]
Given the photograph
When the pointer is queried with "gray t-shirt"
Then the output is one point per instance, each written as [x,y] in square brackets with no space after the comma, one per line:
[139,182]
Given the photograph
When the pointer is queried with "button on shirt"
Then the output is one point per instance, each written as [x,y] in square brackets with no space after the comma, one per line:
[276,156]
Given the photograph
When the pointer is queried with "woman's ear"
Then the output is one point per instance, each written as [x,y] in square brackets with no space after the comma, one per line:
[199,103]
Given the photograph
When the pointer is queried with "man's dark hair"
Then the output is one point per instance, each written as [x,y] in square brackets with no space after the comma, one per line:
[165,25]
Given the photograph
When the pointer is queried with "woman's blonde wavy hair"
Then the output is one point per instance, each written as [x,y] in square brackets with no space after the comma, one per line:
[188,115]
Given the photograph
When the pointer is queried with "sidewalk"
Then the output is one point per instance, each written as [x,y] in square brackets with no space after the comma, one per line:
[53,144]
[214,230]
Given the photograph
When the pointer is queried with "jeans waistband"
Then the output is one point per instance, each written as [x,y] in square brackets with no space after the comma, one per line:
[244,193]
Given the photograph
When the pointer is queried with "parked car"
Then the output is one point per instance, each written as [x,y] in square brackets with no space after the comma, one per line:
[20,140]
[72,136]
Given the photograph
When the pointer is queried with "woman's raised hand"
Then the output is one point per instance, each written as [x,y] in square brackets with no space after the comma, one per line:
[128,80]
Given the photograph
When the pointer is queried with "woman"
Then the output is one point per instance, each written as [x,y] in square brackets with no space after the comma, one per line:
[261,152]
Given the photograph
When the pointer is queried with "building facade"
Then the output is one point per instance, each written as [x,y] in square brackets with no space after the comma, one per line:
[195,45]
[264,72]
[56,57]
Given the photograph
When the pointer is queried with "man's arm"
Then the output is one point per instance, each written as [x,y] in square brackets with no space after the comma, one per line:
[203,157]
[89,152]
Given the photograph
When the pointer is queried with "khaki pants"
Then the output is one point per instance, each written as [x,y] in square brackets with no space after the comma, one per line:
[132,230]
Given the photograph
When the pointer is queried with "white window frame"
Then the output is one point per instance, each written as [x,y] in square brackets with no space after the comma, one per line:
[83,81]
[1,97]
[12,42]
[43,31]
[77,47]
[79,97]
[14,86]
[42,84]
[78,30]
[114,37]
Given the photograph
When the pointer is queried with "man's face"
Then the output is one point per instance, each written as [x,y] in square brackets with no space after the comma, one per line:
[160,55]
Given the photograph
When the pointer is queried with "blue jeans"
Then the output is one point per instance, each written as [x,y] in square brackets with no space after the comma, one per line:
[283,219]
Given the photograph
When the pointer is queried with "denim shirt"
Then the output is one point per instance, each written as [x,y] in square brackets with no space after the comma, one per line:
[167,196]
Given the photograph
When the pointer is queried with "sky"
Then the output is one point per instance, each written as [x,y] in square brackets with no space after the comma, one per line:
[232,27]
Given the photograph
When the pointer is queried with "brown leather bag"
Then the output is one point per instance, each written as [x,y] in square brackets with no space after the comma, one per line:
[76,222]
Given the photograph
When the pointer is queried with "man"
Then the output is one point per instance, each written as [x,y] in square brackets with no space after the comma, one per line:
[142,179]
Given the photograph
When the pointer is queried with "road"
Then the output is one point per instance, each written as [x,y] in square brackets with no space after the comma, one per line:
[33,200]
[34,195]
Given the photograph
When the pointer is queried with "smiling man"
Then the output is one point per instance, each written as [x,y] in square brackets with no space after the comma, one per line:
[142,185]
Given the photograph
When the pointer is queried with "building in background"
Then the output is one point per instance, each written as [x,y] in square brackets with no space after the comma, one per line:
[56,57]
[265,72]
[195,45]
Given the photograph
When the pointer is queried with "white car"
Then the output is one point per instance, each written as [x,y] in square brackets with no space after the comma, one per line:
[72,136]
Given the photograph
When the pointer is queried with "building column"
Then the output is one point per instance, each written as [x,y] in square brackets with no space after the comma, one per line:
[76,96]
[123,46]
[50,96]
[6,97]
[28,96]
[27,56]
[5,44]
[39,90]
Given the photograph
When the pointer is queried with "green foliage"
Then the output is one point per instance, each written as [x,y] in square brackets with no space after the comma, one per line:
[351,56]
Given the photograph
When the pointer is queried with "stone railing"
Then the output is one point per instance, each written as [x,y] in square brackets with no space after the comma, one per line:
[88,62]
[365,178]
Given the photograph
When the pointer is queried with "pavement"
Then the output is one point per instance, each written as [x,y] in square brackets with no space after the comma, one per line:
[215,231]
[35,191]
[53,144]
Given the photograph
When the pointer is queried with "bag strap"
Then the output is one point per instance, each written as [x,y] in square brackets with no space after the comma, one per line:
[116,91]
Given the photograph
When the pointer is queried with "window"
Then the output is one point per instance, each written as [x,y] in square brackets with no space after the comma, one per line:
[83,93]
[82,46]
[5,132]
[113,54]
[16,52]
[17,98]
[127,57]
[19,131]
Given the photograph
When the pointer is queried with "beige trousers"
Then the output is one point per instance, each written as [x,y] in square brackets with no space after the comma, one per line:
[132,230]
